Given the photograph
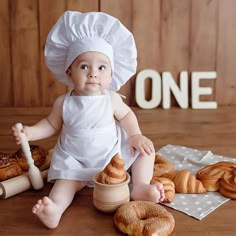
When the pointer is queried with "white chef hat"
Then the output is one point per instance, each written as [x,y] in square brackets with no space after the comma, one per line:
[76,33]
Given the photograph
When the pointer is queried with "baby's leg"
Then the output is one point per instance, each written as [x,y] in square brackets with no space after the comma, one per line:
[50,209]
[142,173]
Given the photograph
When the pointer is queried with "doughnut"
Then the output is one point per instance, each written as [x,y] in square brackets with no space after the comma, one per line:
[139,218]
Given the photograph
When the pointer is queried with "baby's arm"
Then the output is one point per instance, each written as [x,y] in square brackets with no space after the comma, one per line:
[129,122]
[45,127]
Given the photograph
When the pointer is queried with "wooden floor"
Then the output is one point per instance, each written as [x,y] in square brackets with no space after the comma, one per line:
[213,130]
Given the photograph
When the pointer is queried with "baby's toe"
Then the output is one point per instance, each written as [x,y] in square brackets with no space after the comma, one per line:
[162,197]
[35,208]
[46,200]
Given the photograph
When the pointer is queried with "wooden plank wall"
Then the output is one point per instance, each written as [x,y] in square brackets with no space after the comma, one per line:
[170,35]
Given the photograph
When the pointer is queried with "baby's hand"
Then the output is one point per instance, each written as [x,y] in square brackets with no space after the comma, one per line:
[142,144]
[16,135]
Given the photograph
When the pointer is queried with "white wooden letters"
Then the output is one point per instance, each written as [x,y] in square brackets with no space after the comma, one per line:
[163,87]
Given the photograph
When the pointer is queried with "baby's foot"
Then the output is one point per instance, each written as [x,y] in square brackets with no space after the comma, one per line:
[161,190]
[153,193]
[47,211]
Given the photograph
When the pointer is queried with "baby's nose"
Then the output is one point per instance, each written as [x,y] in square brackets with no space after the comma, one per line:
[92,74]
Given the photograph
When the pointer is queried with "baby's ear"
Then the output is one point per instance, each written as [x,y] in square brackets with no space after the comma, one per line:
[68,72]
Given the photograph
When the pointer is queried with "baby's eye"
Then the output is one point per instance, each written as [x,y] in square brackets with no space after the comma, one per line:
[84,67]
[102,67]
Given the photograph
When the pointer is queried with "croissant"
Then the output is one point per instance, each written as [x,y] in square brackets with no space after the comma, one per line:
[114,172]
[211,175]
[162,166]
[169,188]
[185,182]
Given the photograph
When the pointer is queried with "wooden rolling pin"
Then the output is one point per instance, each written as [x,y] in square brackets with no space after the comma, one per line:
[19,184]
[33,172]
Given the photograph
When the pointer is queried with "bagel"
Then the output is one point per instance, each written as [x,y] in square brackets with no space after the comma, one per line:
[143,218]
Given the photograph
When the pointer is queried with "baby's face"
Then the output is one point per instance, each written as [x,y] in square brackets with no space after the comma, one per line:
[90,73]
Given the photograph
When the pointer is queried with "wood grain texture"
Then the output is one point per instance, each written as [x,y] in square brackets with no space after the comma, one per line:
[81,218]
[147,32]
[175,31]
[213,130]
[226,53]
[25,52]
[203,41]
[6,94]
[49,12]
[82,6]
[170,36]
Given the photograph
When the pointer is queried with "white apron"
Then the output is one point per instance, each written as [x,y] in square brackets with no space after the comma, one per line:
[90,137]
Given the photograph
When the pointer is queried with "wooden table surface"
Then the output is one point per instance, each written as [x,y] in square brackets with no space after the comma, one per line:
[213,130]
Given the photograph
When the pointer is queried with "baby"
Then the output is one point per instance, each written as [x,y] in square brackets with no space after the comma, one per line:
[94,54]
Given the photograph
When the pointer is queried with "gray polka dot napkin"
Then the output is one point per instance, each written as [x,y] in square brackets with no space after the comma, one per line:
[195,205]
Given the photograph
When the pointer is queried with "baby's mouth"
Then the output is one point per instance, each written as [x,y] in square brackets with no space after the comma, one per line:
[92,83]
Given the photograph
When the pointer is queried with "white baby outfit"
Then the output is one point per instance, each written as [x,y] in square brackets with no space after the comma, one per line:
[90,137]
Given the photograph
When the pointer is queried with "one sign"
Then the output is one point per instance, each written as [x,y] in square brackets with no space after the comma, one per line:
[163,87]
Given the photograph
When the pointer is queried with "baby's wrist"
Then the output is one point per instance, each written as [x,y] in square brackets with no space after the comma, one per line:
[135,135]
